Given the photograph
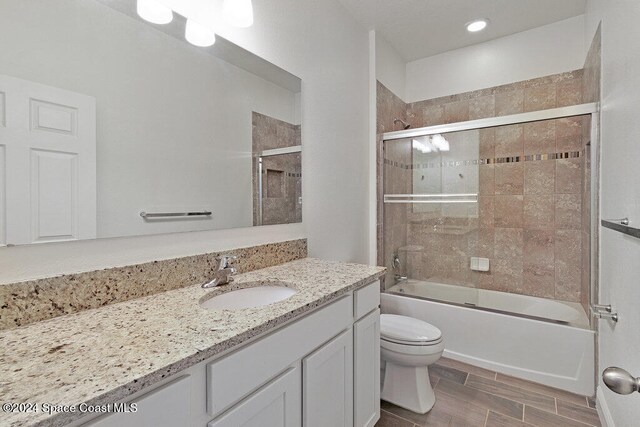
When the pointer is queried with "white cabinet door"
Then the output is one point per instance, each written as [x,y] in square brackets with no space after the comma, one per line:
[166,406]
[366,362]
[47,163]
[278,404]
[328,384]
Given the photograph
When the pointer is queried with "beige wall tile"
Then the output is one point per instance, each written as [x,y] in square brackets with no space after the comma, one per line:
[456,112]
[569,93]
[509,102]
[540,177]
[508,211]
[540,97]
[569,175]
[486,176]
[482,107]
[568,211]
[487,143]
[540,137]
[569,134]
[568,261]
[509,141]
[509,178]
[508,243]
[539,211]
[486,211]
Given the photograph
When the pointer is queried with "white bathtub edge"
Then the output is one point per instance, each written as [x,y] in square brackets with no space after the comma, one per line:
[527,374]
[603,410]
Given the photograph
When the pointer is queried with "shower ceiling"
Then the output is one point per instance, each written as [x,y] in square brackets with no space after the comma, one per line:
[421,28]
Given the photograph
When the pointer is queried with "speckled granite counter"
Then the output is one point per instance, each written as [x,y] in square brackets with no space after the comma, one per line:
[102,355]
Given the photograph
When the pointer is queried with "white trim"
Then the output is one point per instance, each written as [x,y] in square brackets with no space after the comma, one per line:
[603,410]
[280,151]
[533,116]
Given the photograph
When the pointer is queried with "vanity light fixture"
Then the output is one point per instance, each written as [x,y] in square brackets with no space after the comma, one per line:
[154,12]
[477,25]
[238,13]
[199,35]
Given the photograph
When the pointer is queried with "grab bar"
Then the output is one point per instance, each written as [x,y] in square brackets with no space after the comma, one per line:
[173,214]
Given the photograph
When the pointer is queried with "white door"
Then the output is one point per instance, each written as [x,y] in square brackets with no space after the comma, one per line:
[278,404]
[327,386]
[47,163]
[366,367]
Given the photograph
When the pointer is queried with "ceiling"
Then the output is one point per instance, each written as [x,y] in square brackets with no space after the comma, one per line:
[421,28]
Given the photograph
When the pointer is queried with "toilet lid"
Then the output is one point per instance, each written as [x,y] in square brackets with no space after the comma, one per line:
[407,329]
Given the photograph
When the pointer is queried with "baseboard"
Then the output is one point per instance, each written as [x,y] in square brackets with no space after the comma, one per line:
[603,410]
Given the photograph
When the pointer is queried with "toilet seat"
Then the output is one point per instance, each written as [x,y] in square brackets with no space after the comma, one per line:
[408,331]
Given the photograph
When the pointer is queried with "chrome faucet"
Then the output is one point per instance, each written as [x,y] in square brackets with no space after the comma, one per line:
[224,272]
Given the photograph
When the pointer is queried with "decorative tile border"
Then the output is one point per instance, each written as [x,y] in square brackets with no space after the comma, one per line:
[28,302]
[496,160]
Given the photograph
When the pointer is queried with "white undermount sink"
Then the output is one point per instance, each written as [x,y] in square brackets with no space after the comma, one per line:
[255,296]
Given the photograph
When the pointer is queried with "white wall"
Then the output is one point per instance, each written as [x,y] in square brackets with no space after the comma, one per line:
[620,195]
[332,60]
[390,67]
[542,51]
[174,123]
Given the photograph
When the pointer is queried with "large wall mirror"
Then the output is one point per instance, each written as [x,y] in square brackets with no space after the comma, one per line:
[112,126]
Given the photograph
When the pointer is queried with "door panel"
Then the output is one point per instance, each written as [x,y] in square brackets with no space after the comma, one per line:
[367,370]
[54,202]
[328,384]
[275,405]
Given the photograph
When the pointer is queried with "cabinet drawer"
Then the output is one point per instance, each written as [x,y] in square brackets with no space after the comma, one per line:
[366,299]
[235,376]
[166,406]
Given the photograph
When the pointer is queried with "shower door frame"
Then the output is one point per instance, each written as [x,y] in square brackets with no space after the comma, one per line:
[592,109]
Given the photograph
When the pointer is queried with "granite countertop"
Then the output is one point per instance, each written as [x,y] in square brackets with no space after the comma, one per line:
[102,355]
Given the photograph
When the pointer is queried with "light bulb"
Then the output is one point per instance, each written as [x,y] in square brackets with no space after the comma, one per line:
[238,13]
[153,11]
[477,25]
[199,35]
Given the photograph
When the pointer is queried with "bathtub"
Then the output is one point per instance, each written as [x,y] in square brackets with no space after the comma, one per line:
[540,340]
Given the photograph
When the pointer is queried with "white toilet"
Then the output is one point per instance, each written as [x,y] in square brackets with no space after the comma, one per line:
[408,346]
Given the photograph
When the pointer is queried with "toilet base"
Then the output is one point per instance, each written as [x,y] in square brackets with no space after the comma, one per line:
[408,387]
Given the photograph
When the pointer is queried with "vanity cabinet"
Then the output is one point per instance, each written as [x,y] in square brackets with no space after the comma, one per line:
[322,369]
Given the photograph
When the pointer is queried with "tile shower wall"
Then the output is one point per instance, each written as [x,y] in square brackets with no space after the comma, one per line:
[281,175]
[528,220]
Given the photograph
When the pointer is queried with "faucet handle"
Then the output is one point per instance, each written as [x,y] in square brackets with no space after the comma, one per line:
[226,260]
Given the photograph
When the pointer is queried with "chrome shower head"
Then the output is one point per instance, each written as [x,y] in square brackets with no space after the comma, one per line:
[405,125]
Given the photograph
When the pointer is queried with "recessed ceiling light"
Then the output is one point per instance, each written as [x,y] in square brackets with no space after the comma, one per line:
[477,25]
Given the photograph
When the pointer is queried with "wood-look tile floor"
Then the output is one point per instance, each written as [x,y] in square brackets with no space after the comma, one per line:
[474,397]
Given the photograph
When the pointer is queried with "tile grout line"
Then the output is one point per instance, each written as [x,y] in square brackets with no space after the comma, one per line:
[397,416]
